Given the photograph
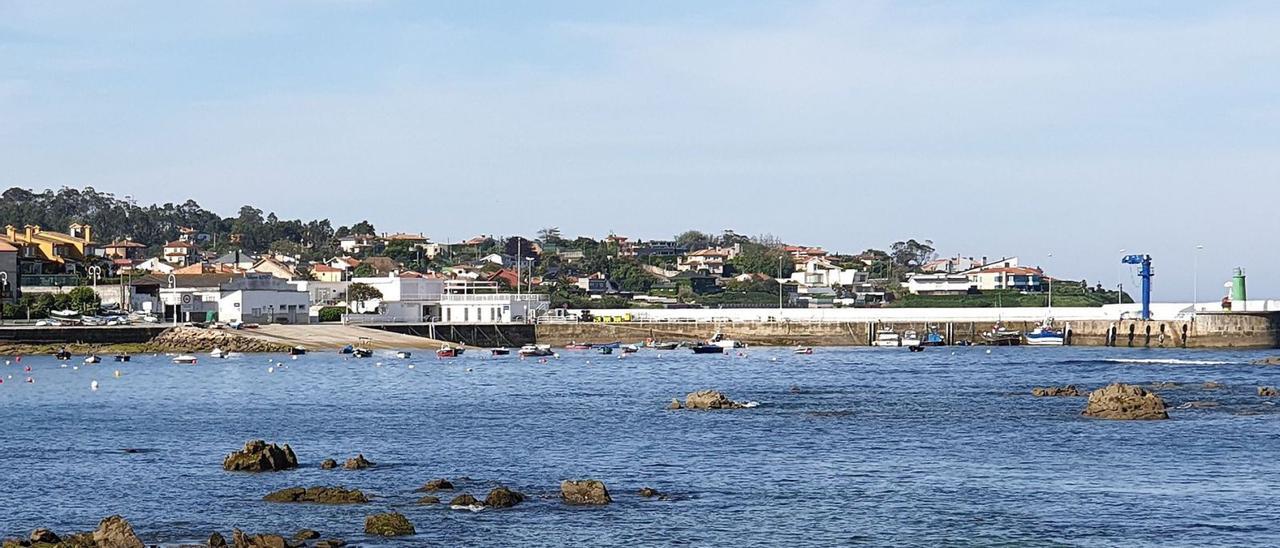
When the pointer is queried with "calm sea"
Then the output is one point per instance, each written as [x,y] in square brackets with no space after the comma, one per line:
[847,447]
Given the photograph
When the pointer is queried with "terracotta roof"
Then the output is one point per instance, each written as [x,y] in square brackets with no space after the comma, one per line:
[178,243]
[124,243]
[4,246]
[324,268]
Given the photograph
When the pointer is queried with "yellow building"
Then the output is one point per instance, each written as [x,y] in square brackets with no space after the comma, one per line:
[34,243]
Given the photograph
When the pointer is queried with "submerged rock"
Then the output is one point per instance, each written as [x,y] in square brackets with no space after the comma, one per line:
[1213,385]
[464,499]
[217,541]
[306,534]
[328,464]
[318,495]
[708,400]
[501,497]
[674,405]
[1274,360]
[584,492]
[116,532]
[357,462]
[429,499]
[258,456]
[1125,402]
[1268,391]
[330,543]
[391,524]
[1067,391]
[651,493]
[434,485]
[244,540]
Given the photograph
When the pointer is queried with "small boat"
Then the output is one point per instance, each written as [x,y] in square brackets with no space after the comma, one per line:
[916,348]
[719,340]
[910,338]
[122,357]
[185,359]
[362,353]
[577,346]
[63,354]
[449,352]
[803,350]
[614,344]
[666,346]
[707,349]
[630,349]
[500,352]
[348,349]
[1002,336]
[404,355]
[92,358]
[606,350]
[536,350]
[218,353]
[887,337]
[1046,335]
[297,351]
[933,338]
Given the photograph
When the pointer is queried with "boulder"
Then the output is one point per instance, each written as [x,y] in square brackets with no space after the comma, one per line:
[429,500]
[357,462]
[649,493]
[584,492]
[1125,402]
[318,495]
[78,540]
[674,405]
[306,534]
[501,497]
[436,485]
[1274,360]
[1067,391]
[116,533]
[328,464]
[1213,385]
[709,399]
[216,541]
[258,456]
[1268,391]
[243,540]
[391,524]
[464,499]
[45,535]
[330,543]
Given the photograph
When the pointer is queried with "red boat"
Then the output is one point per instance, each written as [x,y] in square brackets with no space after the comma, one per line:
[449,352]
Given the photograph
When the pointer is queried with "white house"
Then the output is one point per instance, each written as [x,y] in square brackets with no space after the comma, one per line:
[711,260]
[180,252]
[481,303]
[262,298]
[404,298]
[356,243]
[818,272]
[939,284]
[156,266]
[595,283]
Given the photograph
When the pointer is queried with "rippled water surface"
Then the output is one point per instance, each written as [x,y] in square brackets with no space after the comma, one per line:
[848,446]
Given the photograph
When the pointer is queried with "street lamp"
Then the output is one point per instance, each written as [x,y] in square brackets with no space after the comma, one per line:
[173,283]
[95,272]
[1195,279]
[4,292]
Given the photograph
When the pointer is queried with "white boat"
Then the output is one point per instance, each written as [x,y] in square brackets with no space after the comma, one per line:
[92,359]
[1046,335]
[910,338]
[404,355]
[218,353]
[186,359]
[887,337]
[536,350]
[727,344]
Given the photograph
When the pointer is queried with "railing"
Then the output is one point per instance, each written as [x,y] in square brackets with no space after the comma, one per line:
[482,298]
[50,280]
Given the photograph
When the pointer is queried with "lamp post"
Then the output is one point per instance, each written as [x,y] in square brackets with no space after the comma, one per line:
[173,283]
[95,272]
[4,292]
[1195,279]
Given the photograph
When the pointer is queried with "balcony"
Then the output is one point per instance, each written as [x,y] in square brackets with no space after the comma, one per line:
[49,280]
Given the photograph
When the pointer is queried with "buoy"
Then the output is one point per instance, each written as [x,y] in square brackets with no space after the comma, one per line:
[271,370]
[93,386]
[468,370]
[75,368]
[294,357]
[27,369]
[410,366]
[117,373]
[64,366]
[30,380]
[988,350]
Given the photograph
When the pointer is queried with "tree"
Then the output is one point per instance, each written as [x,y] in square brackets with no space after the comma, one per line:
[363,228]
[361,292]
[912,253]
[693,240]
[756,258]
[83,298]
[365,270]
[630,276]
[518,247]
[550,235]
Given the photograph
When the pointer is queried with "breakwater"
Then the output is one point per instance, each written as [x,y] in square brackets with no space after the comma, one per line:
[1246,330]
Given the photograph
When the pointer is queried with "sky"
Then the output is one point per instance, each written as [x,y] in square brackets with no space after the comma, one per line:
[1060,132]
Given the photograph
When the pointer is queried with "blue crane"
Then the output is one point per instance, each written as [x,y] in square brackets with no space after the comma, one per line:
[1145,273]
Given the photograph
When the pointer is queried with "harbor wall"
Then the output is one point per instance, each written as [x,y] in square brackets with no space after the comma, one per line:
[486,335]
[1201,331]
[79,335]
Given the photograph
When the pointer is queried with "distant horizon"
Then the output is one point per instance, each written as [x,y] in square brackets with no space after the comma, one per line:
[1082,130]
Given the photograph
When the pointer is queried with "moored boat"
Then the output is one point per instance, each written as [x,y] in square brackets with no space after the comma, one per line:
[404,355]
[362,352]
[1046,334]
[999,335]
[500,352]
[910,338]
[122,357]
[536,350]
[887,337]
[218,353]
[803,350]
[92,358]
[707,349]
[933,338]
[606,350]
[297,351]
[630,349]
[185,359]
[448,351]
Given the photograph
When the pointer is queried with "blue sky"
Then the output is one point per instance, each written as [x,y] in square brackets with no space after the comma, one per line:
[1028,128]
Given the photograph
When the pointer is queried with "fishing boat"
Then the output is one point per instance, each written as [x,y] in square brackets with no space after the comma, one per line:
[500,352]
[933,338]
[666,346]
[536,350]
[404,355]
[122,357]
[92,358]
[803,350]
[297,351]
[360,352]
[887,337]
[614,345]
[719,340]
[606,350]
[348,349]
[707,349]
[999,335]
[573,345]
[218,353]
[63,354]
[1046,334]
[916,348]
[185,359]
[910,338]
[447,351]
[630,348]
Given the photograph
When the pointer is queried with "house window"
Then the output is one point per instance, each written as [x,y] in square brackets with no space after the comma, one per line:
[448,314]
[466,314]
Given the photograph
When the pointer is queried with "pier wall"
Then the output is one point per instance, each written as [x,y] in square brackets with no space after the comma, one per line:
[1202,331]
[79,335]
[488,335]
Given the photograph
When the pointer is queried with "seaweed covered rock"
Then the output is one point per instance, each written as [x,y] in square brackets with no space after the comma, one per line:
[258,456]
[1067,391]
[328,464]
[391,524]
[501,497]
[584,492]
[464,499]
[318,495]
[439,484]
[357,462]
[116,532]
[1125,402]
[709,400]
[1268,391]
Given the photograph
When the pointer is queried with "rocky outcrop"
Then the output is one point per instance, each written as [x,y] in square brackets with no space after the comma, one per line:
[195,339]
[674,405]
[1125,402]
[1274,360]
[1268,391]
[584,492]
[44,535]
[709,400]
[116,533]
[650,493]
[216,540]
[439,484]
[501,497]
[258,456]
[1067,391]
[318,495]
[464,499]
[357,462]
[328,464]
[243,540]
[391,524]
[1213,385]
[306,534]
[429,499]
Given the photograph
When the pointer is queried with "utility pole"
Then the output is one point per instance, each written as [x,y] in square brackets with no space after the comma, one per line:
[1195,280]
